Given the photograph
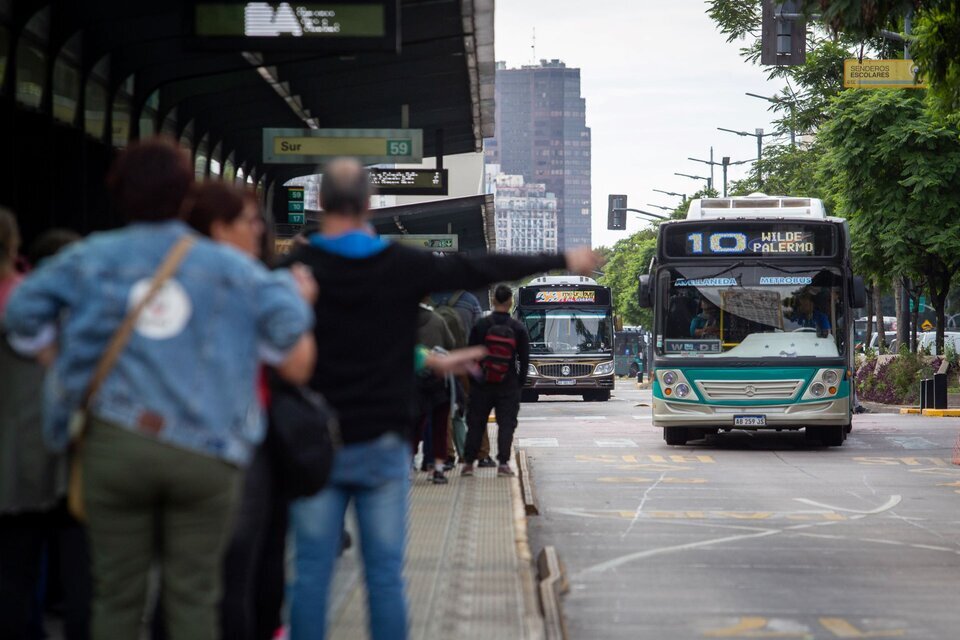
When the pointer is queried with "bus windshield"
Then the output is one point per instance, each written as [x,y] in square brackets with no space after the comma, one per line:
[751,312]
[568,330]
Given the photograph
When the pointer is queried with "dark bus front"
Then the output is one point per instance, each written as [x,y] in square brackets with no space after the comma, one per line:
[571,340]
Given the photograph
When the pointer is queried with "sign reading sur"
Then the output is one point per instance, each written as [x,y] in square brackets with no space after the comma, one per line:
[370,146]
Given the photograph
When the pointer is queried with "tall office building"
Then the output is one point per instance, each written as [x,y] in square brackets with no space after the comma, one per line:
[542,135]
[526,215]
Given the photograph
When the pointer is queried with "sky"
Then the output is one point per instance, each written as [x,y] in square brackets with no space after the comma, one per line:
[658,79]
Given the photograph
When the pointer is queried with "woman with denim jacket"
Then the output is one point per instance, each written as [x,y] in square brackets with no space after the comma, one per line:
[174,420]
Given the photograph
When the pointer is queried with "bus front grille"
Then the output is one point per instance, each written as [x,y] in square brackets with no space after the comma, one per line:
[749,389]
[557,370]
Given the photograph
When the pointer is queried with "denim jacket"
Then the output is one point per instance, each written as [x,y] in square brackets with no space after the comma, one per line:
[188,374]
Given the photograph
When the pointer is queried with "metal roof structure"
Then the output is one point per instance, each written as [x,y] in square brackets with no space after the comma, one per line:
[216,102]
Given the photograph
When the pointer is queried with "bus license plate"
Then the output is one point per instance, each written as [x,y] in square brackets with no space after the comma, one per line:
[566,382]
[749,421]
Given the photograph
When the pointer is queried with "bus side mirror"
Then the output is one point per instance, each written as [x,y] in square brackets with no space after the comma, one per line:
[859,293]
[643,292]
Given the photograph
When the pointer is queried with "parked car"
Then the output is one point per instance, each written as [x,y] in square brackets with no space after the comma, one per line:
[928,339]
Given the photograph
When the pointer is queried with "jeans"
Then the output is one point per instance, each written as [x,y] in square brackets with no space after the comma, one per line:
[375,476]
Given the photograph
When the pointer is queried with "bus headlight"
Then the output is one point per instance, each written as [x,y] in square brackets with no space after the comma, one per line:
[830,378]
[817,389]
[683,390]
[669,378]
[604,368]
[532,370]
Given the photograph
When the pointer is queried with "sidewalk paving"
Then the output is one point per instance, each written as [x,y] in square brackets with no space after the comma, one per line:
[468,567]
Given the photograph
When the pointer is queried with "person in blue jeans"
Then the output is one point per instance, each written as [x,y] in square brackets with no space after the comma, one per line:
[366,327]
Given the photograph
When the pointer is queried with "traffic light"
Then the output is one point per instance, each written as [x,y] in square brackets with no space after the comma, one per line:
[617,212]
[783,33]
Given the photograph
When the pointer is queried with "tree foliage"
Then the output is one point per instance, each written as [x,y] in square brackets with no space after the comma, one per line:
[628,259]
[894,168]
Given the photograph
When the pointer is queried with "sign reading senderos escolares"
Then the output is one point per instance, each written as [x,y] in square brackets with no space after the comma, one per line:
[370,146]
[882,74]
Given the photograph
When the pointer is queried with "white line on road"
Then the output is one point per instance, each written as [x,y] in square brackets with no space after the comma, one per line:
[539,442]
[890,504]
[589,417]
[616,443]
[531,419]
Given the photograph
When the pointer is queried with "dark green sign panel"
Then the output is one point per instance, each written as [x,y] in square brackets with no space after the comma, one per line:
[359,25]
[295,205]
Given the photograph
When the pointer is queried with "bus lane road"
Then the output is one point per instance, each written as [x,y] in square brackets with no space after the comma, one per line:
[746,535]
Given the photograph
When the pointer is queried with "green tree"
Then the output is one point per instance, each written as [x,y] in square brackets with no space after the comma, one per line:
[629,258]
[894,167]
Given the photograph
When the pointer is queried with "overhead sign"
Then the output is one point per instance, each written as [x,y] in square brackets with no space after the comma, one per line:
[442,242]
[357,25]
[882,74]
[412,182]
[295,205]
[315,146]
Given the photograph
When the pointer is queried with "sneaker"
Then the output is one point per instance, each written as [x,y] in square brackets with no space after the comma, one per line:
[449,464]
[439,478]
[505,471]
[466,469]
[487,463]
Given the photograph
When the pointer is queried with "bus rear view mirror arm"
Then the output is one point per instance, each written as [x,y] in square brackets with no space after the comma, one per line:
[859,293]
[643,292]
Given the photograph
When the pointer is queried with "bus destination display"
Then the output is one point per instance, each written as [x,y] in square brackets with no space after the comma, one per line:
[532,296]
[749,240]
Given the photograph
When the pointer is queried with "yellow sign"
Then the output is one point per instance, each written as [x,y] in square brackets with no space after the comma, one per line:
[881,74]
[370,146]
[926,325]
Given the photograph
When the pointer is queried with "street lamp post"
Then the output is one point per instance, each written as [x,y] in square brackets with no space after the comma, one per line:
[759,135]
[726,163]
[682,196]
[708,179]
[793,113]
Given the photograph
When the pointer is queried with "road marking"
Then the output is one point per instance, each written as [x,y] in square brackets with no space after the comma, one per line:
[910,461]
[890,504]
[655,458]
[539,442]
[843,629]
[913,442]
[639,480]
[531,419]
[614,443]
[753,627]
[589,417]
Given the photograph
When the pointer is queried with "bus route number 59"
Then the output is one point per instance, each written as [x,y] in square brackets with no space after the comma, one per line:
[398,147]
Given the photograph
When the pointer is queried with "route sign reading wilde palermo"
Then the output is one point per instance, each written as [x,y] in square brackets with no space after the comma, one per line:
[409,182]
[370,146]
[345,26]
[881,74]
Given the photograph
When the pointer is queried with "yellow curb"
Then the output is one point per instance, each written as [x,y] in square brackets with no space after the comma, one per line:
[942,413]
[905,412]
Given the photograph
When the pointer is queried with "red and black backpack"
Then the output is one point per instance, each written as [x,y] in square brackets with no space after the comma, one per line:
[501,344]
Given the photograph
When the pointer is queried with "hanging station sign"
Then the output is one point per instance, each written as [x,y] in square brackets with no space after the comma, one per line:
[315,146]
[409,182]
[340,27]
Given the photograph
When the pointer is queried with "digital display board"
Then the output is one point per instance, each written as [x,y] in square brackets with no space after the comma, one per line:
[439,242]
[358,25]
[571,296]
[414,182]
[725,239]
[296,205]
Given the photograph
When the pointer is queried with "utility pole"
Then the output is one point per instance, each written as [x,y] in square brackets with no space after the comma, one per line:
[793,113]
[706,179]
[759,135]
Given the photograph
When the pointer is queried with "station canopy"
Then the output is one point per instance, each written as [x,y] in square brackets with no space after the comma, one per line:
[160,76]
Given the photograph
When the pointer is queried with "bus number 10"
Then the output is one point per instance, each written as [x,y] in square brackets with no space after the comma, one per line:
[726,242]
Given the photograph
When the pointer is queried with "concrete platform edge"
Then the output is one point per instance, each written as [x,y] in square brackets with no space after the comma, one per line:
[531,602]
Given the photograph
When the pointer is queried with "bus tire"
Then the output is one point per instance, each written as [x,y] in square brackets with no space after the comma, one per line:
[828,436]
[675,435]
[529,396]
[601,396]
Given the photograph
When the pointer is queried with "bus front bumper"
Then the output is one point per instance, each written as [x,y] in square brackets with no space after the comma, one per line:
[569,386]
[785,416]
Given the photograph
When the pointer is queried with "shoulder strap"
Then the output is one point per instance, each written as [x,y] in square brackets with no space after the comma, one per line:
[119,340]
[454,299]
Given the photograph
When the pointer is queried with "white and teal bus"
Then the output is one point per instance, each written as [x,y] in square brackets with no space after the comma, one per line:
[753,302]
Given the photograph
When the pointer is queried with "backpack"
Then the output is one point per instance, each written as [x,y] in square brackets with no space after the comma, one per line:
[501,344]
[451,318]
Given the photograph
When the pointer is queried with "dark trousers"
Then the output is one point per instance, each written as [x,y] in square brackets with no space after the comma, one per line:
[23,540]
[505,399]
[433,430]
[253,575]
